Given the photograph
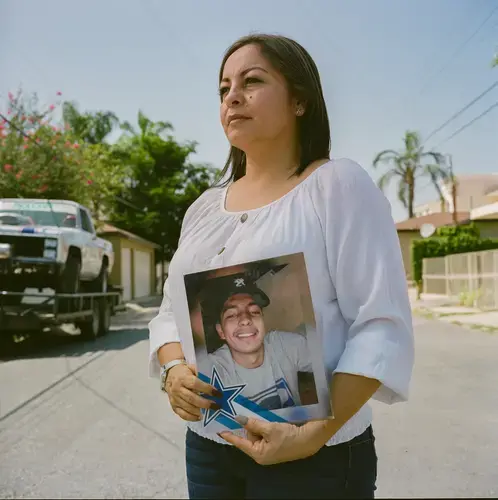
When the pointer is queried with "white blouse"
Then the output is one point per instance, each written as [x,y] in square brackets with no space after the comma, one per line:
[342,223]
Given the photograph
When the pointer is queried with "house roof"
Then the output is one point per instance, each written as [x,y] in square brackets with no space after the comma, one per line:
[437,219]
[110,229]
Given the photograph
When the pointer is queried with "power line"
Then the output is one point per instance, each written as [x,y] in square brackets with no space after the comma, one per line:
[459,112]
[459,49]
[468,124]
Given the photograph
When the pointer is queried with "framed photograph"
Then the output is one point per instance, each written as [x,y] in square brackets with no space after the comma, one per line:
[256,341]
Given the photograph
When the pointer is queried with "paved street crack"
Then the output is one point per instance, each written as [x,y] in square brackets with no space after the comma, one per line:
[122,411]
[50,387]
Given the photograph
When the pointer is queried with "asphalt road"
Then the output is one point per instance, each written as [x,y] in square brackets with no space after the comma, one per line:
[83,420]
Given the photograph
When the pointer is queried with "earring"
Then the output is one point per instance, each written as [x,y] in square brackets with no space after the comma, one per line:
[299,111]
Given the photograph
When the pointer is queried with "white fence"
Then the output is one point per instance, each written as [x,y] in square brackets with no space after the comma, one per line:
[472,277]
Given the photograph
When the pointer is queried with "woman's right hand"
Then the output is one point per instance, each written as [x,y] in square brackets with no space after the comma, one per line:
[183,388]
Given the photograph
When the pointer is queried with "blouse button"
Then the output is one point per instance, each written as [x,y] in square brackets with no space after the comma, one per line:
[221,251]
[243,218]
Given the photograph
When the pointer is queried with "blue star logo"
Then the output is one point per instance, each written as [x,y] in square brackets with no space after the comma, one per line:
[229,393]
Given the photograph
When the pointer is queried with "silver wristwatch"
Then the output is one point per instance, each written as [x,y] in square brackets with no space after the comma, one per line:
[166,368]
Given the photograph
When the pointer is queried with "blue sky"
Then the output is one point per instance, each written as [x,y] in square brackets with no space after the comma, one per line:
[386,66]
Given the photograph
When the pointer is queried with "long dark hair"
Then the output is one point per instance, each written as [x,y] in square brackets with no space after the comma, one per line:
[299,70]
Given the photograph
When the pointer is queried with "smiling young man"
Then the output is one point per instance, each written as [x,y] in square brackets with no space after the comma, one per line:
[267,362]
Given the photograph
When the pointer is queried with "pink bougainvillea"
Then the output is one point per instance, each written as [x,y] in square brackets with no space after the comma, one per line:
[57,164]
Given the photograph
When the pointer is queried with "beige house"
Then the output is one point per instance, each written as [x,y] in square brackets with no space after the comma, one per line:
[473,191]
[409,230]
[477,201]
[134,267]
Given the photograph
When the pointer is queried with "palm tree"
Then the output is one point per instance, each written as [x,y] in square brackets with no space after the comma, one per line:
[146,127]
[408,166]
[92,128]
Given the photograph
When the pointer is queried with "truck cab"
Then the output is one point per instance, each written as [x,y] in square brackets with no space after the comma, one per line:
[51,243]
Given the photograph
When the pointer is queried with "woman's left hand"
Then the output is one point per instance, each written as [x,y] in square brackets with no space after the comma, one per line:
[271,443]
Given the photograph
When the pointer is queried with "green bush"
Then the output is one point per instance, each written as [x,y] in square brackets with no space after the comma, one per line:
[448,240]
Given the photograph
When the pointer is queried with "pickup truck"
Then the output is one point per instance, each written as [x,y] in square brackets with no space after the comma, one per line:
[51,244]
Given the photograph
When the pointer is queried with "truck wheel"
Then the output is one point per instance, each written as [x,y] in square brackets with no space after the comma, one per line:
[90,328]
[101,284]
[70,279]
[105,316]
[70,282]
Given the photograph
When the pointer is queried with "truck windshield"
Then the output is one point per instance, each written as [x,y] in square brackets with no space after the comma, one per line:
[39,214]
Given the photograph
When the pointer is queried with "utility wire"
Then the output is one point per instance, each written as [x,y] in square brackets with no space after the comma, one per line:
[459,112]
[468,124]
[459,49]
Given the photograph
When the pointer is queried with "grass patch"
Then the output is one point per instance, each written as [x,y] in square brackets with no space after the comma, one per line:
[477,326]
[428,314]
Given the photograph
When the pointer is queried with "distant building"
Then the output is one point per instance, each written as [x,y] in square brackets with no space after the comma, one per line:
[477,201]
[473,191]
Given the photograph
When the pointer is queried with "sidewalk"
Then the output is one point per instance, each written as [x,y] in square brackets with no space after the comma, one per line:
[448,309]
[137,314]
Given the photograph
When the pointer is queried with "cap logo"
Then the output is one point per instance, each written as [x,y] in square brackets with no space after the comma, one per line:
[238,282]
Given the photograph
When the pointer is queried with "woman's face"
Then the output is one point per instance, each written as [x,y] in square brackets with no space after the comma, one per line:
[256,106]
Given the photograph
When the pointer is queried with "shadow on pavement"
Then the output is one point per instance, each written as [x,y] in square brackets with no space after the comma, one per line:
[56,345]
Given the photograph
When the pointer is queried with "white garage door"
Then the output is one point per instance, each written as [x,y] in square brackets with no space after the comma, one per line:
[126,273]
[142,273]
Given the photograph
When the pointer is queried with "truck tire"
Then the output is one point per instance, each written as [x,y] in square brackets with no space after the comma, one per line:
[105,316]
[91,328]
[69,282]
[101,283]
[70,278]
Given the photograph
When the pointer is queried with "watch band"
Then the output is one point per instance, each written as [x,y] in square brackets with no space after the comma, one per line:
[166,368]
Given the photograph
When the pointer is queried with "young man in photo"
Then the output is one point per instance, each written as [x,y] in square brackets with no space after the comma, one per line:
[268,362]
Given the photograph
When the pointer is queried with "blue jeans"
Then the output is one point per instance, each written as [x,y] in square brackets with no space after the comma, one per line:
[217,471]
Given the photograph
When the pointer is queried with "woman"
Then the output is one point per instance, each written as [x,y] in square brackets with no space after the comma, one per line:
[285,195]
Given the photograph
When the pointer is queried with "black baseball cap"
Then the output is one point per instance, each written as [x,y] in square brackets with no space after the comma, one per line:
[216,291]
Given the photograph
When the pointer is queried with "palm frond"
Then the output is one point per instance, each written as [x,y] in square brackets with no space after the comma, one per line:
[160,127]
[385,178]
[143,123]
[437,157]
[127,127]
[385,156]
[412,142]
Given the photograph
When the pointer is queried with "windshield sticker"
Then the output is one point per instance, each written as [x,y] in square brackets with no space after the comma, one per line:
[38,206]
